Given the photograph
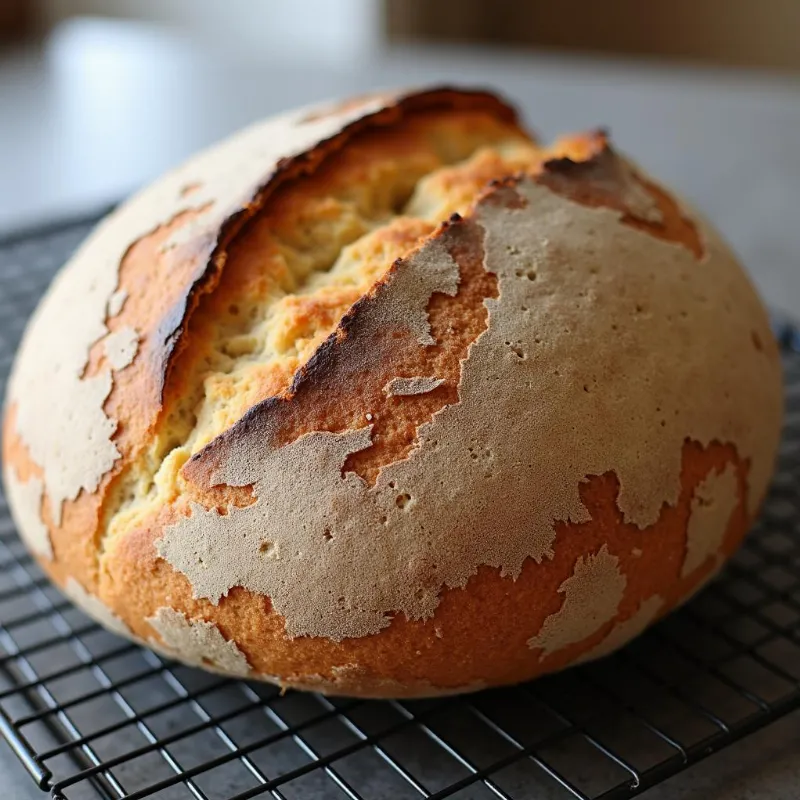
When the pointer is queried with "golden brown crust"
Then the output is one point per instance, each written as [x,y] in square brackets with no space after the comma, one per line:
[381,324]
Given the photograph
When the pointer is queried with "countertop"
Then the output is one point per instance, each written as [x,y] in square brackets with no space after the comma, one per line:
[98,110]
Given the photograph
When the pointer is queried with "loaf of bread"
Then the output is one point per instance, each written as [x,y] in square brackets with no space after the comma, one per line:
[385,398]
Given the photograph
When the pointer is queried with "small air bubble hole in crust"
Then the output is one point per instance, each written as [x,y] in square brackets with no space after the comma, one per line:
[402,500]
[518,351]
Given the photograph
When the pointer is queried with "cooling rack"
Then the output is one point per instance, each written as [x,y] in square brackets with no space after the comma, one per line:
[90,715]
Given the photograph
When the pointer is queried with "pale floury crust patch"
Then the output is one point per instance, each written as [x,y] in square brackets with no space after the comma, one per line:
[95,608]
[411,386]
[67,410]
[59,413]
[116,303]
[195,642]
[198,642]
[713,502]
[592,595]
[25,500]
[626,630]
[120,347]
[607,319]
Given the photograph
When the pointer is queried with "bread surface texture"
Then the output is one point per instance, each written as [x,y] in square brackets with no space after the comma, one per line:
[386,398]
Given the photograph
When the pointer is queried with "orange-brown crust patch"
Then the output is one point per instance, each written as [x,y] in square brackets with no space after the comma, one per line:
[460,644]
[455,323]
[154,281]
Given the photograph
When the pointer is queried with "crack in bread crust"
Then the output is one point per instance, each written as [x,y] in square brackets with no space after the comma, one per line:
[290,276]
[222,188]
[601,180]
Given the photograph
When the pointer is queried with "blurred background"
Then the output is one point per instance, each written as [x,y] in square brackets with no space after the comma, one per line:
[99,96]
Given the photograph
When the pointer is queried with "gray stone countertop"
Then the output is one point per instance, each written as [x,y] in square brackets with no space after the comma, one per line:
[88,117]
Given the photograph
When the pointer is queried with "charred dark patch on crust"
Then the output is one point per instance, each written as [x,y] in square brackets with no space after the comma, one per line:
[444,97]
[165,344]
[605,179]
[503,194]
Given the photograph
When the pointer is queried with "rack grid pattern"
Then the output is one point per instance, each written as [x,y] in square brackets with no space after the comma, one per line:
[92,716]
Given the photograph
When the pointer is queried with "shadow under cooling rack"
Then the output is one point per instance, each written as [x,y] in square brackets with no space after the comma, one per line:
[91,715]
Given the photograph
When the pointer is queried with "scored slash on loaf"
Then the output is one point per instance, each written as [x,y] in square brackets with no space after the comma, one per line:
[386,398]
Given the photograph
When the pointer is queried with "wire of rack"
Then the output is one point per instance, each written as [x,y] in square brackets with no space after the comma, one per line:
[90,715]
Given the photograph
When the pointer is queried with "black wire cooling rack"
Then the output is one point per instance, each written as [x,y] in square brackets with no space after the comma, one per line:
[91,715]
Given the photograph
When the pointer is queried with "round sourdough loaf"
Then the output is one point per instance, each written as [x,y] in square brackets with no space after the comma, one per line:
[385,398]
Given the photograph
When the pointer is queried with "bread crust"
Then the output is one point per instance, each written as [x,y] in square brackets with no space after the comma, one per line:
[501,453]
